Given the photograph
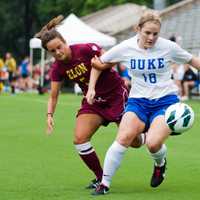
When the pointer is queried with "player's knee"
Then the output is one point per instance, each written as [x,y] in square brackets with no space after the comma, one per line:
[137,142]
[79,139]
[124,139]
[153,146]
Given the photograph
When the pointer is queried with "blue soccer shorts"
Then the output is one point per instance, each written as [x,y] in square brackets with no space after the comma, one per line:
[148,109]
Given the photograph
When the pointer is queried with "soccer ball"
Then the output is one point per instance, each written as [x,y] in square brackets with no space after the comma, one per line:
[179,117]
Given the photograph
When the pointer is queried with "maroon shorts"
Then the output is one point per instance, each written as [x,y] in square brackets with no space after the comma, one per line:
[110,107]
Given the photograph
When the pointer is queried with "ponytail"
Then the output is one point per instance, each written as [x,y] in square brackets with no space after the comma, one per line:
[50,25]
[48,32]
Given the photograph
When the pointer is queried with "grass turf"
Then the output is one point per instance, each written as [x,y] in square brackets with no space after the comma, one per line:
[34,166]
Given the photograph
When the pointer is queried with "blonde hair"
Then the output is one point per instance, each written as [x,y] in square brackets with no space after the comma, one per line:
[148,17]
[48,32]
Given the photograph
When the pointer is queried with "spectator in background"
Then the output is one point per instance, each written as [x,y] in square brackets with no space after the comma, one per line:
[177,69]
[44,84]
[36,73]
[3,79]
[172,38]
[190,81]
[177,75]
[1,74]
[11,65]
[177,39]
[47,79]
[25,82]
[1,63]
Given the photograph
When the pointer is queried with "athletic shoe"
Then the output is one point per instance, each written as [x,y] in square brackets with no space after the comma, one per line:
[100,190]
[93,184]
[158,175]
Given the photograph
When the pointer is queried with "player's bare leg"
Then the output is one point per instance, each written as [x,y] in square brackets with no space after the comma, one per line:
[138,141]
[157,134]
[86,126]
[127,132]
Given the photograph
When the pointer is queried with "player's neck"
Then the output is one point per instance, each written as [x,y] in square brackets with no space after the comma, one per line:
[68,57]
[140,44]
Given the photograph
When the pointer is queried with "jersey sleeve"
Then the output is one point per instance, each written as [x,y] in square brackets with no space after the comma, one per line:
[115,54]
[180,55]
[54,73]
[93,49]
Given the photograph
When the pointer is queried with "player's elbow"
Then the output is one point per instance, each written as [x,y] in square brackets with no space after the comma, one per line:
[103,66]
[195,62]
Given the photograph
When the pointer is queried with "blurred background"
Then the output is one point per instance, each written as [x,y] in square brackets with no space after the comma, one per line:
[21,19]
[24,64]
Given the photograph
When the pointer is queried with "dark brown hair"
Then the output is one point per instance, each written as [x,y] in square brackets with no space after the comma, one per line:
[48,32]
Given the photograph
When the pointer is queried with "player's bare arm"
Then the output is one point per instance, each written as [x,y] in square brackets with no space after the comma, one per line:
[52,102]
[94,75]
[97,67]
[96,63]
[195,62]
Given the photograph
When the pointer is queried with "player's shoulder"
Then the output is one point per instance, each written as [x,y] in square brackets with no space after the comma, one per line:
[85,48]
[125,45]
[129,42]
[163,43]
[55,66]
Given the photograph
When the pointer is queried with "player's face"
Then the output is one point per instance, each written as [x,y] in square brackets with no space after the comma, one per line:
[148,34]
[59,49]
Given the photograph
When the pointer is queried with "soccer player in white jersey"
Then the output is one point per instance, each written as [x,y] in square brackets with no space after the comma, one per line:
[148,58]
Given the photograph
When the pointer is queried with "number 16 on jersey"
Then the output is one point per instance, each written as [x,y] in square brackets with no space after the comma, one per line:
[150,78]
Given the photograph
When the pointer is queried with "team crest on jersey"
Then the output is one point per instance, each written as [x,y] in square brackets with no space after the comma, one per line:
[94,48]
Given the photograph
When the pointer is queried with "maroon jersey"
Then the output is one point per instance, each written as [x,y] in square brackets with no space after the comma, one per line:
[79,67]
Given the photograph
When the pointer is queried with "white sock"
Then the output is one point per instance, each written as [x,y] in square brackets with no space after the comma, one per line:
[112,162]
[85,148]
[160,155]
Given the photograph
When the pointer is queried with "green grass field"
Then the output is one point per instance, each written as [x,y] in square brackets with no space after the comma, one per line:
[34,166]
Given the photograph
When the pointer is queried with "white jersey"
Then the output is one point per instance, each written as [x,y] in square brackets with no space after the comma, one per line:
[149,68]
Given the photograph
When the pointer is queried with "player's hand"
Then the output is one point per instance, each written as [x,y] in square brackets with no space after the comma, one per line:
[90,96]
[96,62]
[50,124]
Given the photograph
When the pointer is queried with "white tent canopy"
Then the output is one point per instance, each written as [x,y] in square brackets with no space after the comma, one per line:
[76,31]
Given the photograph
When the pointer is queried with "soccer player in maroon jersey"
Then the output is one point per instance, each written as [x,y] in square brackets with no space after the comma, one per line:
[74,63]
